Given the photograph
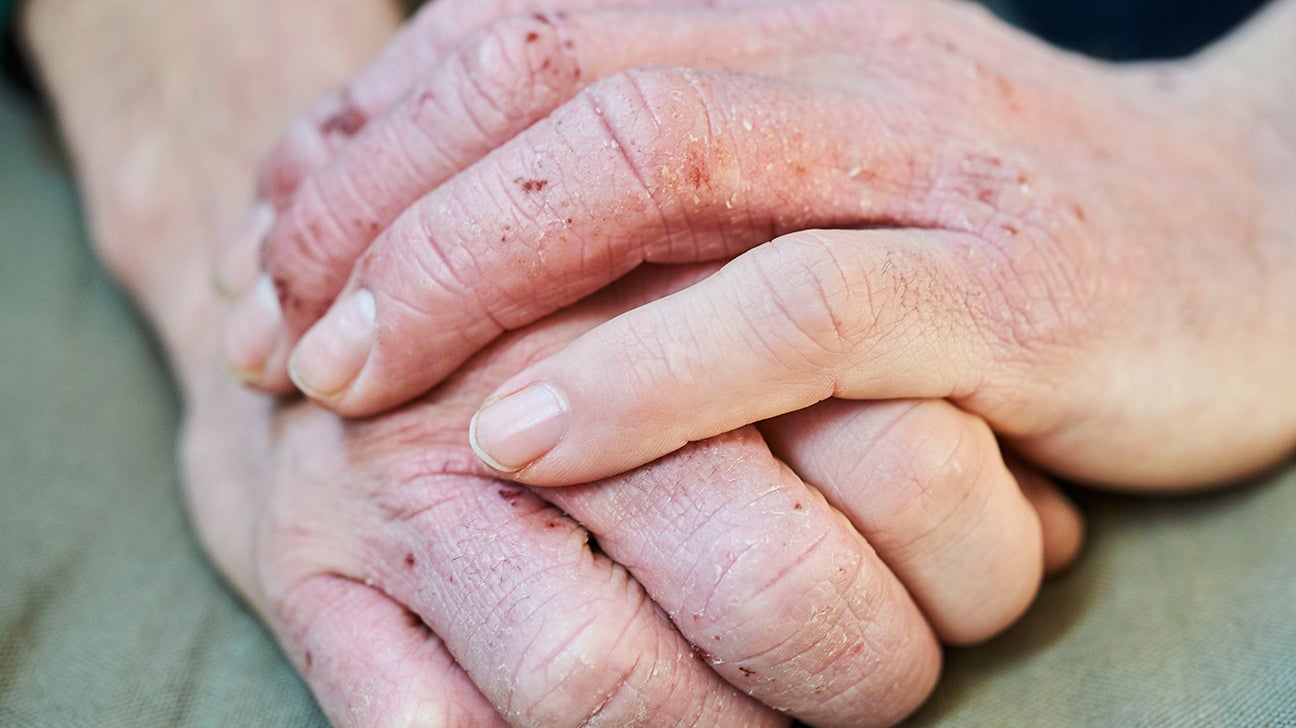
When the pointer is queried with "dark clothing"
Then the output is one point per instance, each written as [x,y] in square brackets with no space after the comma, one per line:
[1131,29]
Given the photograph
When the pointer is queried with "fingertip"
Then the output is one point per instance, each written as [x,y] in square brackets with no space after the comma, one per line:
[236,269]
[511,432]
[1061,522]
[253,330]
[326,364]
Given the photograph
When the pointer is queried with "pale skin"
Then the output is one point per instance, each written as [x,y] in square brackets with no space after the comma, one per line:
[1096,260]
[412,586]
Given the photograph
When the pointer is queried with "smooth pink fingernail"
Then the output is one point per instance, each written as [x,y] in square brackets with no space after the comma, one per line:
[331,355]
[510,433]
[253,329]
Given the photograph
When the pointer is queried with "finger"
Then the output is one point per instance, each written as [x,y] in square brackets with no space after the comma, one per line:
[774,588]
[500,81]
[523,233]
[1060,519]
[552,633]
[326,127]
[880,314]
[237,262]
[369,664]
[926,486]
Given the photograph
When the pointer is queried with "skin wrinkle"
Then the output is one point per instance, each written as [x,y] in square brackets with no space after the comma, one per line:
[353,199]
[795,642]
[594,99]
[790,567]
[306,246]
[932,475]
[400,141]
[775,285]
[433,268]
[624,679]
[627,680]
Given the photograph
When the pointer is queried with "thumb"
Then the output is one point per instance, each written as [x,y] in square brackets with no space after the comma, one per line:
[874,314]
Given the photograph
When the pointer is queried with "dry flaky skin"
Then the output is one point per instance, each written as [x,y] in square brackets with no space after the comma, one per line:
[1094,259]
[412,587]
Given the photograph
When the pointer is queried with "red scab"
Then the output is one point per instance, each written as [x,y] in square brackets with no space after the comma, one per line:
[290,301]
[308,659]
[697,172]
[532,185]
[1079,212]
[798,507]
[547,63]
[1010,229]
[986,195]
[703,654]
[410,561]
[347,121]
[532,37]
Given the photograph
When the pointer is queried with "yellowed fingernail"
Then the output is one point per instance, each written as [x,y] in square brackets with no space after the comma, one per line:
[331,355]
[253,329]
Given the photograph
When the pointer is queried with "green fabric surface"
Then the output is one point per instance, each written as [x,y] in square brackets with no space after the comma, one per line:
[109,614]
[1182,612]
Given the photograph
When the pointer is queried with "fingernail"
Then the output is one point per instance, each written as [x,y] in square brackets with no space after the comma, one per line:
[236,264]
[509,434]
[331,355]
[252,329]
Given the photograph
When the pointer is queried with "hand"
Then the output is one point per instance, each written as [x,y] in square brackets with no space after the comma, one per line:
[1094,259]
[715,567]
[408,584]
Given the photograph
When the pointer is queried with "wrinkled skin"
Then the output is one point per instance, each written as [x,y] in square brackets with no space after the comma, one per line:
[411,586]
[1096,260]
[753,574]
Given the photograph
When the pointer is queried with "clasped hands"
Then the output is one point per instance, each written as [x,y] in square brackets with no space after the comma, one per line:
[784,275]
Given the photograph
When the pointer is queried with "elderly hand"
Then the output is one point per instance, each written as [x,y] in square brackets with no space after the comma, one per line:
[1096,260]
[412,586]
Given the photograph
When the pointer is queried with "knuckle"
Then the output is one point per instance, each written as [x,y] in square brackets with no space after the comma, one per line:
[513,66]
[825,301]
[1033,300]
[842,637]
[665,124]
[305,257]
[299,153]
[593,680]
[944,458]
[947,453]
